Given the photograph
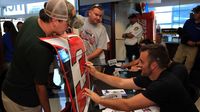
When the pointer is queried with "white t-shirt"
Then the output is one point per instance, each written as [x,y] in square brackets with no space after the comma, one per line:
[135,29]
[94,36]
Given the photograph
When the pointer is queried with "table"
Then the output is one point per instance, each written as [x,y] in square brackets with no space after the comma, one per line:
[99,85]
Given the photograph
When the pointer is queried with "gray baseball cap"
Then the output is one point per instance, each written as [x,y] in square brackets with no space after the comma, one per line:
[57,9]
[63,10]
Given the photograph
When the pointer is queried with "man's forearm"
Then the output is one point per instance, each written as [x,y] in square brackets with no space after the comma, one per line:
[110,80]
[135,102]
[43,97]
[117,104]
[95,54]
[118,82]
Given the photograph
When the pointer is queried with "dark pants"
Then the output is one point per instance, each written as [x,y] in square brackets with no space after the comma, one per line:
[2,77]
[132,50]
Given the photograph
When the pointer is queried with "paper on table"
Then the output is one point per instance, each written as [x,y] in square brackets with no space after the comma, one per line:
[149,109]
[112,62]
[110,96]
[111,110]
[112,91]
[118,64]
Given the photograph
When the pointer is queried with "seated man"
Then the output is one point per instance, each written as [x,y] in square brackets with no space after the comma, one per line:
[163,89]
[178,69]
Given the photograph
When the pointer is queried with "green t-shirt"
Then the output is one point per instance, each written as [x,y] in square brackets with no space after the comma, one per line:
[30,65]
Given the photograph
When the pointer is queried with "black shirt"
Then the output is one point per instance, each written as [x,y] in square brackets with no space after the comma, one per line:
[168,93]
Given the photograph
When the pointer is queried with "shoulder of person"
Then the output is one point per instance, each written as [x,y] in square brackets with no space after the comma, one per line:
[81,17]
[6,34]
[189,21]
[32,18]
[175,65]
[101,26]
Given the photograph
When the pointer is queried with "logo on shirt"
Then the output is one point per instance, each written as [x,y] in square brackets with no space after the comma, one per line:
[88,36]
[136,28]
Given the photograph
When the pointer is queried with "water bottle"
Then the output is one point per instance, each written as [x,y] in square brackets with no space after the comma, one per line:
[133,57]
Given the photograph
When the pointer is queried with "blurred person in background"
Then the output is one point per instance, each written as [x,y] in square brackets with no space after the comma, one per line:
[190,40]
[2,69]
[132,66]
[9,40]
[132,35]
[19,25]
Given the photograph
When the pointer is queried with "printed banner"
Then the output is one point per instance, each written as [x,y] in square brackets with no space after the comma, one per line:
[71,54]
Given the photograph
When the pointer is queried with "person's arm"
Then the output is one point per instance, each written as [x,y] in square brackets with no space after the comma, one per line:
[134,68]
[185,36]
[125,83]
[128,35]
[95,54]
[43,97]
[132,63]
[136,102]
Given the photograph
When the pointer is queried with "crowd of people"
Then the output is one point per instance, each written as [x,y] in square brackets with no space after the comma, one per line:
[25,75]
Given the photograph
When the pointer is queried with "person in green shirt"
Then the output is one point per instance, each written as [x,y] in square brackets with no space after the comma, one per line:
[24,88]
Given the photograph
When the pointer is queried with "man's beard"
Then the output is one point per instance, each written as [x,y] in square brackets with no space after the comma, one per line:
[148,73]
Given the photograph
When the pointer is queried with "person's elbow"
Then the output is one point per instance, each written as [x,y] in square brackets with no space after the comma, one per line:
[126,107]
[122,83]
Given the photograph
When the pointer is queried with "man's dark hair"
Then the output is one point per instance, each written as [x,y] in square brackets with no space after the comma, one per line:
[196,9]
[146,41]
[20,22]
[8,26]
[43,16]
[132,16]
[96,6]
[158,53]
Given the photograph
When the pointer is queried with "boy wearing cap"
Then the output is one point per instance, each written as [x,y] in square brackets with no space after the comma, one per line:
[94,35]
[190,40]
[24,88]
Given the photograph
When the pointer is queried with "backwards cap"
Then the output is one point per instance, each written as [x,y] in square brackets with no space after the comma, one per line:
[63,10]
[57,9]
